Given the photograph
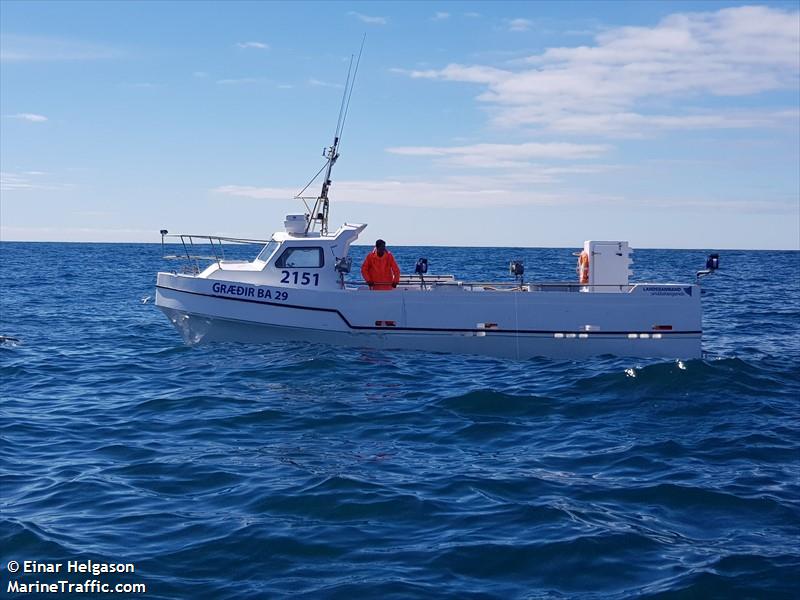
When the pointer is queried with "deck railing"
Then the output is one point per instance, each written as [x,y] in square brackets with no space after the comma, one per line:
[430,282]
[196,248]
[192,242]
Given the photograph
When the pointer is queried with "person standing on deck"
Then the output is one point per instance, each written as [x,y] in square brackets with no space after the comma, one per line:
[380,270]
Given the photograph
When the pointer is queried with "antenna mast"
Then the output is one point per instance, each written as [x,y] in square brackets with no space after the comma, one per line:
[319,214]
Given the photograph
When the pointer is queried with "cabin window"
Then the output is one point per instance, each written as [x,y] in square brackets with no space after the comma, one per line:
[300,258]
[268,251]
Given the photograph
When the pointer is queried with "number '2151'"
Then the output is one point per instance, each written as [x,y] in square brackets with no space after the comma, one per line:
[300,278]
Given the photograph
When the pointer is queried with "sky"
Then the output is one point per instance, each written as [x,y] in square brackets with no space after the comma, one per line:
[667,124]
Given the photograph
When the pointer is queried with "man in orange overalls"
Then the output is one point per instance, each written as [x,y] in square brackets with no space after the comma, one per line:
[380,270]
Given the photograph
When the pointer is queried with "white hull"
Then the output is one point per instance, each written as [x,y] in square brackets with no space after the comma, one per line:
[295,289]
[559,324]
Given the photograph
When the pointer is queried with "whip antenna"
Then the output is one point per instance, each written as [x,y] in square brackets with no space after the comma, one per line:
[319,214]
[352,85]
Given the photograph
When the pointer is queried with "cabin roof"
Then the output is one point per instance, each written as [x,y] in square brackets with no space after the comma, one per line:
[348,231]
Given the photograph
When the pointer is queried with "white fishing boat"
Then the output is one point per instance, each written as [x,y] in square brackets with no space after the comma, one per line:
[299,287]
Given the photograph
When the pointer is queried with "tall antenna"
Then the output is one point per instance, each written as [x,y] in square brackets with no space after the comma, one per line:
[319,214]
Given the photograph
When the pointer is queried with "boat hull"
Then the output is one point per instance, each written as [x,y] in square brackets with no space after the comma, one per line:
[516,325]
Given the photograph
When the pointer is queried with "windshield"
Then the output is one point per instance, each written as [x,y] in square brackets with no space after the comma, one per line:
[268,251]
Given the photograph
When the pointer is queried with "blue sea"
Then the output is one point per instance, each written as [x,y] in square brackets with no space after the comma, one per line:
[236,471]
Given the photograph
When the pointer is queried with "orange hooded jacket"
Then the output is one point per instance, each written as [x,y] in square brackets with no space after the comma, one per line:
[380,271]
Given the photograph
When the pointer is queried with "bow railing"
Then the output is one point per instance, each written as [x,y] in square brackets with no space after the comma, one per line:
[198,248]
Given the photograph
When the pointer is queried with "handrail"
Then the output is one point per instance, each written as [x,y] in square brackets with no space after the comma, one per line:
[215,241]
[434,281]
[218,237]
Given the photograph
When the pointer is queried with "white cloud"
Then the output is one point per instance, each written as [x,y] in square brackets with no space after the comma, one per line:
[533,184]
[28,180]
[472,15]
[144,85]
[632,124]
[32,117]
[515,189]
[368,19]
[93,213]
[14,181]
[504,155]
[449,192]
[24,48]
[199,74]
[519,24]
[440,16]
[258,45]
[239,81]
[469,74]
[320,83]
[606,87]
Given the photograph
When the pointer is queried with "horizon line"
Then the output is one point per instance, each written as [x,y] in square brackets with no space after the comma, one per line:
[158,243]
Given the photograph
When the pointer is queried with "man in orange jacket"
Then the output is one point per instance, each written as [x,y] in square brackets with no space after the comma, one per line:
[380,270]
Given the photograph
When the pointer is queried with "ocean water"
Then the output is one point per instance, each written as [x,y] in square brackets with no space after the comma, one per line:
[231,471]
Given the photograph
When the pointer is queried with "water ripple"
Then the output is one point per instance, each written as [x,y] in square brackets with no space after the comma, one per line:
[298,469]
